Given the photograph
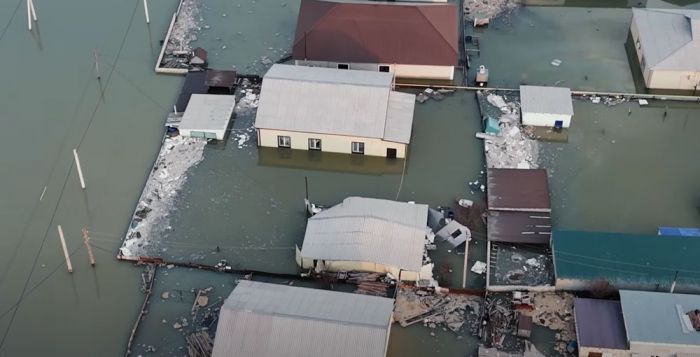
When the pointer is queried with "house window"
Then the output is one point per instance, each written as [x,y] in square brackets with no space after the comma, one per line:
[383,68]
[284,141]
[314,144]
[357,147]
[343,66]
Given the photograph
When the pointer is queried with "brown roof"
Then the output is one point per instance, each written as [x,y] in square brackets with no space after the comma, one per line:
[518,190]
[201,53]
[519,227]
[365,32]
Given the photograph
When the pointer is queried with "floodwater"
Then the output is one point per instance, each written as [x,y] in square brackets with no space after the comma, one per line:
[52,95]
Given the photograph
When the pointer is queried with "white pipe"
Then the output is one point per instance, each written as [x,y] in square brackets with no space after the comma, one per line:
[145,8]
[80,170]
[31,5]
[65,249]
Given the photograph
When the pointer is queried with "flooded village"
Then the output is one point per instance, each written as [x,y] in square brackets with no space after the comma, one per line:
[353,178]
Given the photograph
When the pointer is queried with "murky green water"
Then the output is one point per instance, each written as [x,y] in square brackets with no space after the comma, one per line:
[51,103]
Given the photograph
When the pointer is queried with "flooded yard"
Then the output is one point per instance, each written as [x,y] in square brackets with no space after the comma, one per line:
[618,171]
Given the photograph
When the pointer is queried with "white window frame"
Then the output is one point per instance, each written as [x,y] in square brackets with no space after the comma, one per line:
[315,144]
[284,141]
[388,68]
[343,64]
[357,147]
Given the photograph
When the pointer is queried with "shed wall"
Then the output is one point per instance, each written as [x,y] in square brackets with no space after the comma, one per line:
[674,80]
[399,70]
[545,119]
[331,143]
[219,134]
[643,349]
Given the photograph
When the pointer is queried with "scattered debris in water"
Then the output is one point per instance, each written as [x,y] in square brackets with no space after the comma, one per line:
[474,9]
[435,94]
[436,308]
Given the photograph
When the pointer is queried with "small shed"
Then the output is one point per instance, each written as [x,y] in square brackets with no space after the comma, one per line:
[600,328]
[270,320]
[220,81]
[546,106]
[367,234]
[199,57]
[524,326]
[207,116]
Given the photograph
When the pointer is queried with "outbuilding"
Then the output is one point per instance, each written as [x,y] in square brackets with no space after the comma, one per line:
[207,116]
[341,111]
[600,328]
[367,234]
[410,40]
[661,324]
[546,106]
[667,45]
[270,320]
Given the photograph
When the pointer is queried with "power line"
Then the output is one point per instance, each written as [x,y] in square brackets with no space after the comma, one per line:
[7,26]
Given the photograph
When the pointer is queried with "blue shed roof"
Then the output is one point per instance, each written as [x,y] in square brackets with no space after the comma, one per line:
[659,317]
[679,231]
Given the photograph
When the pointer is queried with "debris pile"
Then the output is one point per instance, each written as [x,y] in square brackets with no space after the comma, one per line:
[498,321]
[487,8]
[248,102]
[435,308]
[178,52]
[169,174]
[199,344]
[554,310]
[512,147]
[435,94]
[610,101]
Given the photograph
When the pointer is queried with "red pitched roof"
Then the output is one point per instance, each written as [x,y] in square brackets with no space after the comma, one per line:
[425,34]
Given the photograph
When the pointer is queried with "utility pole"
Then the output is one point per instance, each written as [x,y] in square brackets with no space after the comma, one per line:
[97,66]
[80,169]
[86,240]
[145,9]
[31,14]
[65,249]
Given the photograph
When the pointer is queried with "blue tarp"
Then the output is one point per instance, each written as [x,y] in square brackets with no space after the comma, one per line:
[491,126]
[679,231]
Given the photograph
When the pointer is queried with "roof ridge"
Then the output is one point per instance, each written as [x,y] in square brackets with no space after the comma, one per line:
[677,50]
[420,10]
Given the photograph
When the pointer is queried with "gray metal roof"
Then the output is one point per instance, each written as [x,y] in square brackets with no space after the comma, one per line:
[547,100]
[670,38]
[599,323]
[369,230]
[658,317]
[265,320]
[333,101]
[208,112]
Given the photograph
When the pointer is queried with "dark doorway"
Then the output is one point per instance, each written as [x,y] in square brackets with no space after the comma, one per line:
[391,153]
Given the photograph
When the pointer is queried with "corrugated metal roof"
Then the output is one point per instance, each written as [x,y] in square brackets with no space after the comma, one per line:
[627,260]
[208,112]
[519,227]
[369,230]
[374,32]
[656,317]
[518,190]
[669,37]
[599,323]
[547,100]
[261,320]
[333,101]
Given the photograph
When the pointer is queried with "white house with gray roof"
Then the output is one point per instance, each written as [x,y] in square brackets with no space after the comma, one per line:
[546,106]
[341,111]
[271,320]
[667,44]
[367,234]
[660,324]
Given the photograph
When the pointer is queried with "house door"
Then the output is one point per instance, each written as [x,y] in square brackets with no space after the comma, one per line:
[391,153]
[558,124]
[595,354]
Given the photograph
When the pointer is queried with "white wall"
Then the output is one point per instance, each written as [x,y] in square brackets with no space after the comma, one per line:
[674,80]
[330,143]
[218,133]
[544,119]
[344,266]
[662,350]
[399,70]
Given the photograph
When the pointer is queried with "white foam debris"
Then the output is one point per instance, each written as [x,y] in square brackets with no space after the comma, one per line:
[487,8]
[176,157]
[479,267]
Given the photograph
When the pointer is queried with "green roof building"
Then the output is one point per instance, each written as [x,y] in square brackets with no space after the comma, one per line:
[597,260]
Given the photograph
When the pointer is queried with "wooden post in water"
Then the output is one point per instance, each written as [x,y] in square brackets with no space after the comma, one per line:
[145,9]
[86,240]
[29,15]
[80,170]
[97,66]
[65,249]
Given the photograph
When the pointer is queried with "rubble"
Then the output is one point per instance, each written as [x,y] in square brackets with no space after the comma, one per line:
[487,8]
[177,49]
[554,310]
[435,309]
[513,146]
[177,155]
